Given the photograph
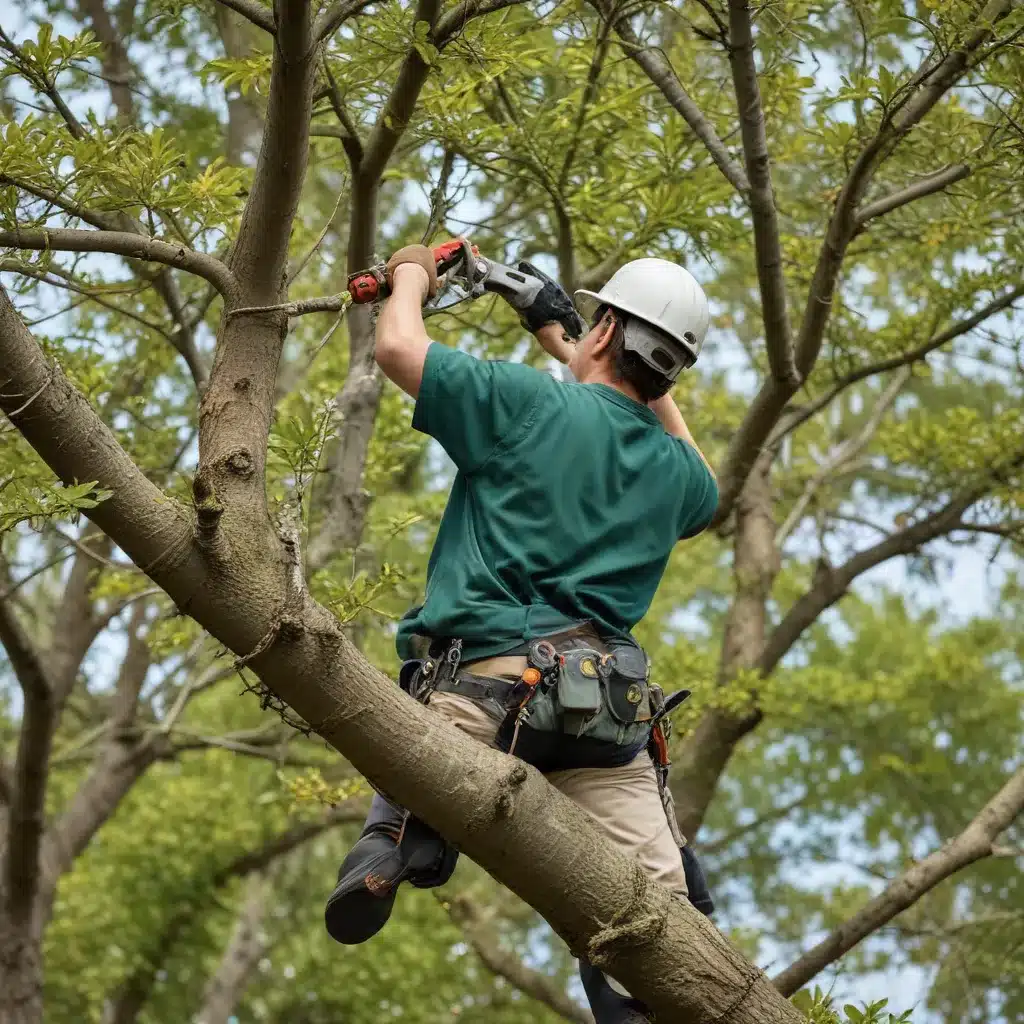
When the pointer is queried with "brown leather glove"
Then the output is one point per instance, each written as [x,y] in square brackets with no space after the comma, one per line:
[418,254]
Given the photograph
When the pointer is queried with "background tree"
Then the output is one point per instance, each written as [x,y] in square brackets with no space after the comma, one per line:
[861,400]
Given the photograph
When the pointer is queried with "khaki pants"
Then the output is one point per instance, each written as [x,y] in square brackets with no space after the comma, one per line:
[624,801]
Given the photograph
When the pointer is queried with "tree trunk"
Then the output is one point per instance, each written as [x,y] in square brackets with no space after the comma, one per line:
[705,755]
[244,950]
[21,970]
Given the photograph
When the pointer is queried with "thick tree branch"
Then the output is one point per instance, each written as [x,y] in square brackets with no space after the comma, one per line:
[767,245]
[253,11]
[926,186]
[251,599]
[973,844]
[505,964]
[123,243]
[659,70]
[261,250]
[26,815]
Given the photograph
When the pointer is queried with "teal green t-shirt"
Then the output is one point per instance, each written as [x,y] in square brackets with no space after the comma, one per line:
[566,505]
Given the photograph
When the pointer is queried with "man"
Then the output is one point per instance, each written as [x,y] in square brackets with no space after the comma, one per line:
[568,500]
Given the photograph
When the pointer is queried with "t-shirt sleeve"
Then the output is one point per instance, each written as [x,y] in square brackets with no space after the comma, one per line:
[470,405]
[701,494]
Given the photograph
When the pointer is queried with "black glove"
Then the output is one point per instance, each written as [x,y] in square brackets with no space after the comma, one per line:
[551,305]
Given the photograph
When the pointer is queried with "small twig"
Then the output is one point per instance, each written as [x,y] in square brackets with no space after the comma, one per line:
[323,234]
[325,304]
[32,398]
[439,197]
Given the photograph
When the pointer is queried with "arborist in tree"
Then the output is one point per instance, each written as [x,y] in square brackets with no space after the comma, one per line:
[568,500]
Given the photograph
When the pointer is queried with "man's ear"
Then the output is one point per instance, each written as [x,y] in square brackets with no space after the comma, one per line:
[607,327]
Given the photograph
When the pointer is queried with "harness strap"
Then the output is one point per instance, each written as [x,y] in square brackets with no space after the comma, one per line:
[477,687]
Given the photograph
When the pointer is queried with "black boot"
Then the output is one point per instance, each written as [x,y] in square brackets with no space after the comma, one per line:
[370,875]
[609,1005]
[697,883]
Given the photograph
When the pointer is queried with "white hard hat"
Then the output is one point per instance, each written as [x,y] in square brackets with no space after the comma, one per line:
[661,295]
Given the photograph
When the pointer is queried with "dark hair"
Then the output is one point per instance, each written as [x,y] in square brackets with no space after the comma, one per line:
[628,366]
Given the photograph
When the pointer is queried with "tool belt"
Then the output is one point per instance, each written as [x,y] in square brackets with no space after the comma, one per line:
[572,684]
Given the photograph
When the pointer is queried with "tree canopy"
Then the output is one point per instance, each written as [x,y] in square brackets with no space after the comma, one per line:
[213,508]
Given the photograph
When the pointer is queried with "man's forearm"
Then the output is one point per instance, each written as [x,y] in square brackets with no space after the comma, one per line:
[672,420]
[401,317]
[402,340]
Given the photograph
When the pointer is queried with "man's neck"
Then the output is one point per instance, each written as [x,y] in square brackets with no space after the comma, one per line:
[604,377]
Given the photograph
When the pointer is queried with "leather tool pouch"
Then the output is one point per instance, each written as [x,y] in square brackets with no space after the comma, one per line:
[625,683]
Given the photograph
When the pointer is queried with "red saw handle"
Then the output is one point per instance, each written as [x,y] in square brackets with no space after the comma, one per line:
[368,285]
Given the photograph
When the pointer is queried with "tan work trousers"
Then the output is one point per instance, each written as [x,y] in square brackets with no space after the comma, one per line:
[623,801]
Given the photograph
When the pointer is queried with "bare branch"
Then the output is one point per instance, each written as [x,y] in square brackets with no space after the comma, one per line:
[26,817]
[336,15]
[926,186]
[659,70]
[505,964]
[843,454]
[973,844]
[348,132]
[324,304]
[262,17]
[951,333]
[439,202]
[586,100]
[123,243]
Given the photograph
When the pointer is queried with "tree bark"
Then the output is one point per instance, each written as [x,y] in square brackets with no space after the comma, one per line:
[705,755]
[21,971]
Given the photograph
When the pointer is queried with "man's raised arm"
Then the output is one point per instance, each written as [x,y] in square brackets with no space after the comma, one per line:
[402,340]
